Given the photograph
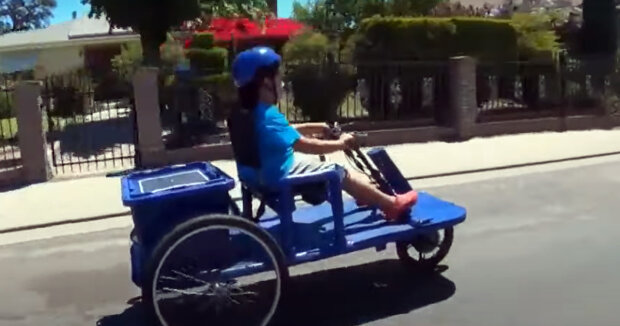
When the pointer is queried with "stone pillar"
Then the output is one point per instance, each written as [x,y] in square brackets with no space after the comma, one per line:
[463,103]
[32,142]
[150,143]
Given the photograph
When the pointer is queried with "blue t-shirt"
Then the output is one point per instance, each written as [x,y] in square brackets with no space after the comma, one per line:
[276,138]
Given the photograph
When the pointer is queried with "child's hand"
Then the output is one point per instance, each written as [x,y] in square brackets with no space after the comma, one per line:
[348,141]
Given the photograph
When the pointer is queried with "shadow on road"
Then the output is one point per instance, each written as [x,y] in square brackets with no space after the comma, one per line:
[345,296]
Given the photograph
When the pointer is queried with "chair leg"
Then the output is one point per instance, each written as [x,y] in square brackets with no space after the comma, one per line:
[246,197]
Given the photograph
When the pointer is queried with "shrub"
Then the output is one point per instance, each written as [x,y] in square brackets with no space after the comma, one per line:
[311,71]
[68,101]
[308,47]
[214,60]
[319,90]
[128,61]
[202,41]
[400,38]
[536,36]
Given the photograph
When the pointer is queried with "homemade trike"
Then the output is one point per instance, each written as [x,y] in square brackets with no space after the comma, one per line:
[200,260]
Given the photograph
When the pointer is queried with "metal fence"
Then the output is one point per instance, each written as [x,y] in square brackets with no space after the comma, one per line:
[90,125]
[383,91]
[10,157]
[405,93]
[526,89]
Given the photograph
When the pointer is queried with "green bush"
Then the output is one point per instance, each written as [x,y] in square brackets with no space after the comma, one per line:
[128,61]
[404,38]
[311,71]
[308,47]
[537,40]
[202,41]
[6,105]
[67,102]
[319,90]
[213,60]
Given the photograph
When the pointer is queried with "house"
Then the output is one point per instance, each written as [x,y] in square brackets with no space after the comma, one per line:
[80,43]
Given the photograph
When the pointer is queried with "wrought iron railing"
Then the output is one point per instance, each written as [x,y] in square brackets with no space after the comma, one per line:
[10,156]
[90,127]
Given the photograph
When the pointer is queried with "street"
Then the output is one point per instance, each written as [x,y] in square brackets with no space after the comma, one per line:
[537,250]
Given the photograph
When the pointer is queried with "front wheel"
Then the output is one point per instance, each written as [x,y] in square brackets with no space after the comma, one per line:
[215,270]
[425,251]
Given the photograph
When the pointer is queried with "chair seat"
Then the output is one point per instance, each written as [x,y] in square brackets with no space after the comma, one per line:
[314,193]
[315,188]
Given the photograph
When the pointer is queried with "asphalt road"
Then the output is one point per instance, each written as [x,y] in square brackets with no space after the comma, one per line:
[537,250]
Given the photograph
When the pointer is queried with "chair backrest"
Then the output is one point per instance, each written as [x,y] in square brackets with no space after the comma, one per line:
[244,144]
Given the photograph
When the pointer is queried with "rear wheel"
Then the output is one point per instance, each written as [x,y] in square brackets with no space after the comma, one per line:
[215,270]
[425,251]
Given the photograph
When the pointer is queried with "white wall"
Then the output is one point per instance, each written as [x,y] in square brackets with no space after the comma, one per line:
[45,62]
[58,60]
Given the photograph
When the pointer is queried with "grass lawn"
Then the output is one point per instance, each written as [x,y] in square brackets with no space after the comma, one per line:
[8,128]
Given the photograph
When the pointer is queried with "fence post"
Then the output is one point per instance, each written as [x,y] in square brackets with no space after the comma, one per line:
[150,144]
[32,142]
[463,103]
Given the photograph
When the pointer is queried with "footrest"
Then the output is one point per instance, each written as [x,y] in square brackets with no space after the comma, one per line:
[430,213]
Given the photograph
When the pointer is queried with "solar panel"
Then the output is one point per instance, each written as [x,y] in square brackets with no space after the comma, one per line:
[172,181]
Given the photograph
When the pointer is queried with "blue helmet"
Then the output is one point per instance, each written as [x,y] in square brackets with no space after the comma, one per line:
[248,62]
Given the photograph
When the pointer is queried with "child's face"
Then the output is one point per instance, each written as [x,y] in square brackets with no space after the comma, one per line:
[276,84]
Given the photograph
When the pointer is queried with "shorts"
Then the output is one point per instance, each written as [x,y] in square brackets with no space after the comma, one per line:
[314,194]
[304,165]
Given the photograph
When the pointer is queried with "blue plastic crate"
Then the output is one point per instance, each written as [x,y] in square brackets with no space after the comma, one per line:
[162,199]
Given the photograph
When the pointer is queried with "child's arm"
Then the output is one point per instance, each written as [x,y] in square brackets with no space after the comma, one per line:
[318,146]
[312,128]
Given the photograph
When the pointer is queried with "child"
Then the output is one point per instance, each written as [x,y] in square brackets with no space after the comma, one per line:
[265,143]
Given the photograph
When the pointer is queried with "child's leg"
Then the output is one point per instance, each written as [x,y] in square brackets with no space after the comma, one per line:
[358,186]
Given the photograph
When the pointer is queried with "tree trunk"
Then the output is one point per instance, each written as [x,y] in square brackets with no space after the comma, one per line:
[273,6]
[151,41]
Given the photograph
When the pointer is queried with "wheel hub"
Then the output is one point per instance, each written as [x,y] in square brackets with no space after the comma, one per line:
[426,243]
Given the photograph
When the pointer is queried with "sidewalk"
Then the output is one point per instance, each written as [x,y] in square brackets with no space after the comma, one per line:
[57,202]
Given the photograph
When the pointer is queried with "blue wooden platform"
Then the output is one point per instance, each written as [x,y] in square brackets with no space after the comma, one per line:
[364,228]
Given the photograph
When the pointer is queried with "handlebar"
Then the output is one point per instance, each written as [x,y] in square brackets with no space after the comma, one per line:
[359,159]
[336,131]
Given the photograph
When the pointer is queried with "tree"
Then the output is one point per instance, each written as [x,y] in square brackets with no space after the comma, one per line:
[340,16]
[599,27]
[234,8]
[19,15]
[152,19]
[599,40]
[254,9]
[273,6]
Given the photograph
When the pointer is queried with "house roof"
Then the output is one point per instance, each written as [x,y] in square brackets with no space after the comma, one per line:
[60,34]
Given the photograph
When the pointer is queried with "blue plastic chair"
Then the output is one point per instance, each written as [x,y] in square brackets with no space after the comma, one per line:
[281,199]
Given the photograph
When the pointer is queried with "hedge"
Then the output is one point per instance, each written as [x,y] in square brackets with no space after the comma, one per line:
[429,39]
[202,41]
[214,59]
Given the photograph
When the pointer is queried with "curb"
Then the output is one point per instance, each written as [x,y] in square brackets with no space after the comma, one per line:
[430,176]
